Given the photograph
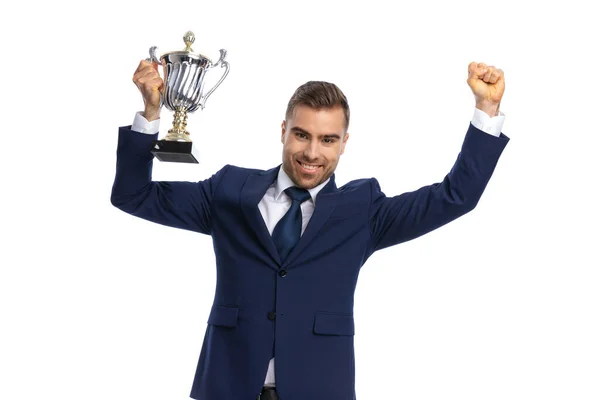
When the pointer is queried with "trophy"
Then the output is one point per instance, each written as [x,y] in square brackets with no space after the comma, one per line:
[184,73]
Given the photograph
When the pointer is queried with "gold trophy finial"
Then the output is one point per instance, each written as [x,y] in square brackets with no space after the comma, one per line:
[188,39]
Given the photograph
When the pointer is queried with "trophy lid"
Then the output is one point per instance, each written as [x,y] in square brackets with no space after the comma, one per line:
[188,39]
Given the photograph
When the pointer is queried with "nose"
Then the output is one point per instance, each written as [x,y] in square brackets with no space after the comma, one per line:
[311,151]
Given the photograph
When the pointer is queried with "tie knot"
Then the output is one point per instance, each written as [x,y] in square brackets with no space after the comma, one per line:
[297,194]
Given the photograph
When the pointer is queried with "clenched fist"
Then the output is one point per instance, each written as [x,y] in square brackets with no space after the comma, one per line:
[487,84]
[151,85]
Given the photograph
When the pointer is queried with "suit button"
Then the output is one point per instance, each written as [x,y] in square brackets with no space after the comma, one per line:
[283,273]
[271,315]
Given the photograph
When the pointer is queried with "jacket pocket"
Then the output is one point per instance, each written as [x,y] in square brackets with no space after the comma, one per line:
[334,324]
[223,316]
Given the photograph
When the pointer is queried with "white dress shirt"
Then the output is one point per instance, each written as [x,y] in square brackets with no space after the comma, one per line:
[275,202]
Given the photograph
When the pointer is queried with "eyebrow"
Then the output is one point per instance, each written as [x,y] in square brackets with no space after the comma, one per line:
[328,136]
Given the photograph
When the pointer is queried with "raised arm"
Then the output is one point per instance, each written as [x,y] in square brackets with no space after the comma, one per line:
[409,215]
[185,205]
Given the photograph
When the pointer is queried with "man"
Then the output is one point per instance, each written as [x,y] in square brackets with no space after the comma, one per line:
[289,243]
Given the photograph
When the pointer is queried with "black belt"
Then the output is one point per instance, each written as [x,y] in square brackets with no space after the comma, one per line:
[268,393]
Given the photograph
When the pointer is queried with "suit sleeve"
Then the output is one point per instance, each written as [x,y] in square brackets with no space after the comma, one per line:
[397,219]
[184,205]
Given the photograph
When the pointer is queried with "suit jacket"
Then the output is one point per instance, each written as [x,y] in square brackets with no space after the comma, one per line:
[300,309]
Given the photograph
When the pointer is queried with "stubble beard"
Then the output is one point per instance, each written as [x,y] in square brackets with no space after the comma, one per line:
[310,181]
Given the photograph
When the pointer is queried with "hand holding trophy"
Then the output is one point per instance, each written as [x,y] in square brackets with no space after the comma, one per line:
[184,73]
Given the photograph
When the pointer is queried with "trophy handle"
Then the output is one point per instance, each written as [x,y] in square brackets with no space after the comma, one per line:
[154,58]
[223,63]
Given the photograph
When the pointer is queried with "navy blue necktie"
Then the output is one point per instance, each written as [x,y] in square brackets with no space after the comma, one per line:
[287,231]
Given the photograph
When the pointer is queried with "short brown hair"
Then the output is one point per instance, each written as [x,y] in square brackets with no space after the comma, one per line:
[319,95]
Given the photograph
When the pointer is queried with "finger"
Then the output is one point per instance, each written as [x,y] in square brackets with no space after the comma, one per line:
[143,64]
[146,67]
[499,75]
[147,87]
[494,76]
[146,73]
[149,82]
[475,71]
[472,68]
[488,74]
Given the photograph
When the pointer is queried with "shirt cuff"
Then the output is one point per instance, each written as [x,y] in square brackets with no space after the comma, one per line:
[142,125]
[490,125]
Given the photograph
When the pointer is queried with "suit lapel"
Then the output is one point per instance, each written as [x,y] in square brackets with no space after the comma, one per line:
[324,205]
[252,192]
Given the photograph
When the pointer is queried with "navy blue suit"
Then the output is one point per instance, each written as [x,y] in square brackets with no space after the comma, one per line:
[299,310]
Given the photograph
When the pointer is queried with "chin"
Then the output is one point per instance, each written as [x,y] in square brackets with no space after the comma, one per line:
[305,183]
[311,182]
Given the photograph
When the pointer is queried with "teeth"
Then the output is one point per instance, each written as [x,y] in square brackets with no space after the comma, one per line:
[312,167]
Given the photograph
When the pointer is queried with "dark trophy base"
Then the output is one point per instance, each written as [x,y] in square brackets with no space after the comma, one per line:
[172,151]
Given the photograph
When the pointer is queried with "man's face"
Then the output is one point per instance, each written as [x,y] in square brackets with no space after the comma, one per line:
[313,142]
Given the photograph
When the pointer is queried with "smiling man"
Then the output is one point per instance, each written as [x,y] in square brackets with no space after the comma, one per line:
[314,133]
[289,244]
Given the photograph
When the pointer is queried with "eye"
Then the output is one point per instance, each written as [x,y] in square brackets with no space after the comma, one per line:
[329,140]
[301,135]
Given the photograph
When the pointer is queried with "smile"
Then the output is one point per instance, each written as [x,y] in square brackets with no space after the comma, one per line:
[309,169]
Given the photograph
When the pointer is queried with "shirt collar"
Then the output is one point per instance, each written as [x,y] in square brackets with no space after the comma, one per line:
[284,181]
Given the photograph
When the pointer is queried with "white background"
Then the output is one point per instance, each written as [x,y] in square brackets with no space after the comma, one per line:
[501,304]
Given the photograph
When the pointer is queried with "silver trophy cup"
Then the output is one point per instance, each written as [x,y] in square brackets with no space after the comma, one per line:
[184,73]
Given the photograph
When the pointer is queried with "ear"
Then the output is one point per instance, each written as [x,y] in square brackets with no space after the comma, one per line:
[346,136]
[283,132]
